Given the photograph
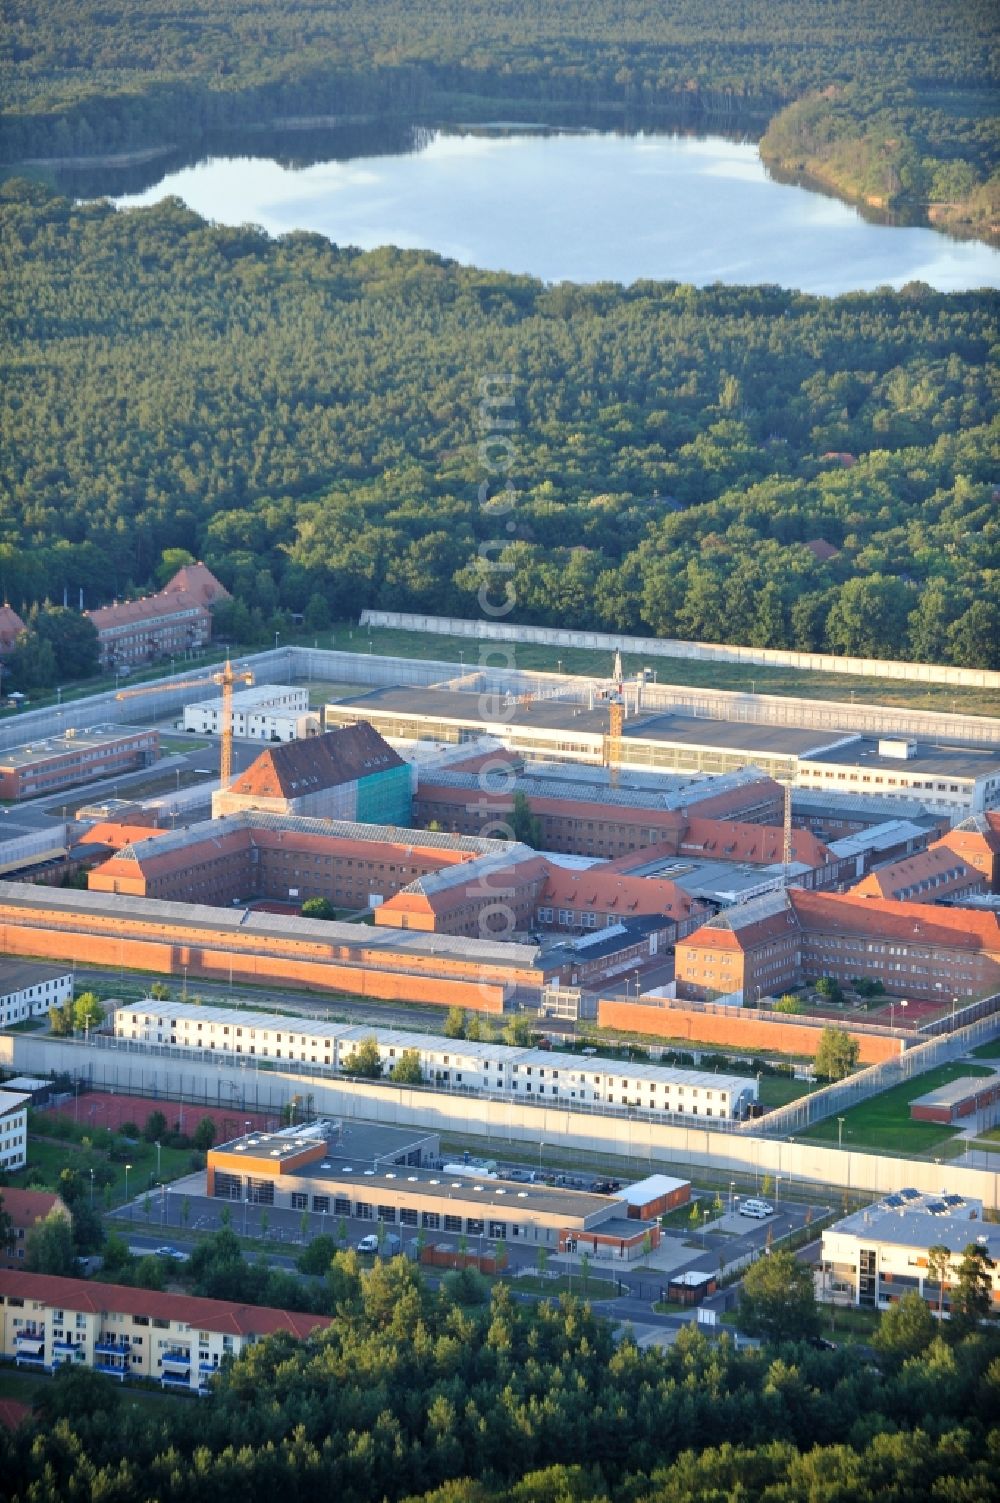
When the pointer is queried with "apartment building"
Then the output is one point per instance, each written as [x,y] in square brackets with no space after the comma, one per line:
[585,1082]
[28,990]
[926,877]
[977,841]
[178,1340]
[13,1130]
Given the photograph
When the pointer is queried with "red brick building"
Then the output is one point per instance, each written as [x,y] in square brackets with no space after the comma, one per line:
[26,1209]
[785,938]
[977,841]
[176,620]
[926,877]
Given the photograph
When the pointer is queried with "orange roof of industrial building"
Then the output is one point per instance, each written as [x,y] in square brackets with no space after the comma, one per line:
[731,840]
[201,1314]
[605,891]
[297,768]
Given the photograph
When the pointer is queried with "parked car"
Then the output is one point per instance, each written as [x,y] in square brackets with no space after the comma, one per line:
[759,1209]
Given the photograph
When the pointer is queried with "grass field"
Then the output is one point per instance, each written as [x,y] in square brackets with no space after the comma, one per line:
[386,642]
[990,1050]
[49,1158]
[779,1090]
[884,1122]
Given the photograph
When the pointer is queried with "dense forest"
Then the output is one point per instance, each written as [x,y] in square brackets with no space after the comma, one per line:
[896,93]
[439,1397]
[309,420]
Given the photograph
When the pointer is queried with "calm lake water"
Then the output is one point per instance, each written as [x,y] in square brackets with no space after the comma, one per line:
[584,207]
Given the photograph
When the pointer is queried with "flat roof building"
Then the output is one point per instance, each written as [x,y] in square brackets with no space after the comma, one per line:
[46,765]
[957,1100]
[873,1257]
[324,1179]
[264,712]
[954,778]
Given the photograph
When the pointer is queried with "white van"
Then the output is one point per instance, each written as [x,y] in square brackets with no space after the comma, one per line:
[369,1243]
[756,1208]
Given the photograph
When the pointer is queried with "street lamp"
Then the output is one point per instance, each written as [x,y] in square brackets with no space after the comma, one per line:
[732,1187]
[127,1168]
[158,1160]
[840,1132]
[540,1147]
[91,1189]
[277,637]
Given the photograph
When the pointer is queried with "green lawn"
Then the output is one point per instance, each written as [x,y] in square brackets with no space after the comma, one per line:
[779,1090]
[49,1158]
[388,642]
[989,1050]
[884,1121]
[590,1288]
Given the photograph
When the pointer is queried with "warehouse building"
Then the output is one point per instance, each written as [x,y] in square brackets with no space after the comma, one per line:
[576,1081]
[178,1340]
[953,779]
[307,1173]
[954,1103]
[76,757]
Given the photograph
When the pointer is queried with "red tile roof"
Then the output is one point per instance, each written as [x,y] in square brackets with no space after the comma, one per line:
[939,864]
[202,1314]
[197,581]
[11,627]
[149,608]
[13,1413]
[882,918]
[822,550]
[25,1207]
[602,891]
[297,768]
[728,840]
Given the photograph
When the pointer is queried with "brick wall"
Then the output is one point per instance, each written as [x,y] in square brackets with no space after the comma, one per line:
[752,1035]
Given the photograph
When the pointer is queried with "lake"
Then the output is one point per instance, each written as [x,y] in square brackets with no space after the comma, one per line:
[583,206]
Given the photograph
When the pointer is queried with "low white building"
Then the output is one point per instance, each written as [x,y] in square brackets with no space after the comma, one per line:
[265,712]
[28,990]
[13,1130]
[178,1340]
[875,1256]
[573,1080]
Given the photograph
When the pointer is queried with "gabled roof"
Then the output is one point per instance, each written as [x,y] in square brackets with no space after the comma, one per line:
[760,845]
[11,627]
[881,918]
[149,608]
[821,549]
[297,768]
[201,1314]
[197,581]
[924,877]
[25,1207]
[599,890]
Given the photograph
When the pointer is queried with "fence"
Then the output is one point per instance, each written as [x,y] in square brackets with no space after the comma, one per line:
[667,647]
[676,1148]
[842,1094]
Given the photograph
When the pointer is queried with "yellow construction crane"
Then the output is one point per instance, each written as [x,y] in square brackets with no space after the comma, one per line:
[225,679]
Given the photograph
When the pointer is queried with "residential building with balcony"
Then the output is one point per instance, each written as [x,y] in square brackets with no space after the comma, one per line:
[178,1340]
